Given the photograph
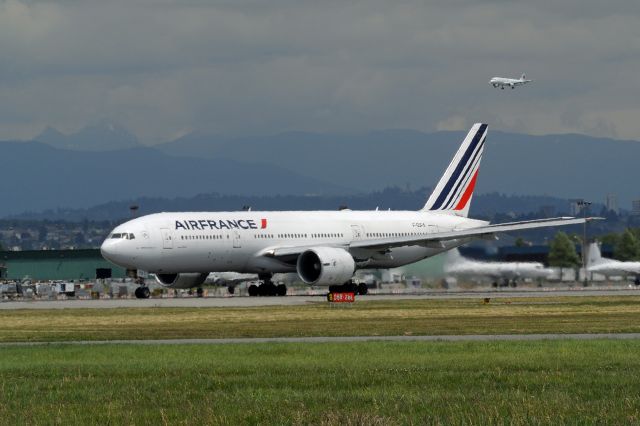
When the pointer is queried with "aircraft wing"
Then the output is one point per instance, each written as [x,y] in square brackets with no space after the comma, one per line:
[435,238]
[477,232]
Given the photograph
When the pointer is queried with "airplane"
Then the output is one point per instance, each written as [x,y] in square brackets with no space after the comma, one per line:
[507,272]
[511,82]
[601,265]
[324,248]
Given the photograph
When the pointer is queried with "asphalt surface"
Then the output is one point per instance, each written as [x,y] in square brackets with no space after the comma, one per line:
[348,339]
[244,301]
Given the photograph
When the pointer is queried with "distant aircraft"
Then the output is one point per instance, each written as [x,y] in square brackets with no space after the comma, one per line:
[601,265]
[324,248]
[500,272]
[501,82]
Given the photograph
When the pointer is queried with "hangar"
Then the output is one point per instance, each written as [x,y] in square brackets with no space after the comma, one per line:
[86,264]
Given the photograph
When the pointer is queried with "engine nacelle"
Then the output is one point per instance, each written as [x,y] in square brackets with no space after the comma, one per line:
[325,266]
[187,280]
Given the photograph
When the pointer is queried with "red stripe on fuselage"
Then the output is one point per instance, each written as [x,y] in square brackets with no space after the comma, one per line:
[467,193]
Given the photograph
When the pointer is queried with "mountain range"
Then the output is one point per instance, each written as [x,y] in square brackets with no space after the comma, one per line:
[39,177]
[566,166]
[105,162]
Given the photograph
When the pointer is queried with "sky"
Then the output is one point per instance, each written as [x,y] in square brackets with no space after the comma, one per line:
[166,68]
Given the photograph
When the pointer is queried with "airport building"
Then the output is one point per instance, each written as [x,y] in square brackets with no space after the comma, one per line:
[43,265]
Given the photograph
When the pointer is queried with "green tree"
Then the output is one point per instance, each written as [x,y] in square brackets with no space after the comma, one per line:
[612,239]
[628,248]
[520,242]
[562,252]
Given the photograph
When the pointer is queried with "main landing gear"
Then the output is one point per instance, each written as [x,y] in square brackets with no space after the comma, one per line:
[267,288]
[505,283]
[349,287]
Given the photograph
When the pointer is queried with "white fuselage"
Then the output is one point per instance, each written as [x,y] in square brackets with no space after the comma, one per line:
[497,270]
[507,82]
[238,241]
[615,267]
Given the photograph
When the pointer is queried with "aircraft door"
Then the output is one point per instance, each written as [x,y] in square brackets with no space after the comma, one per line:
[236,240]
[167,238]
[356,231]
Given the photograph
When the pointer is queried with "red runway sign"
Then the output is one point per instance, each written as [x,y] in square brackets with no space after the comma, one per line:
[341,297]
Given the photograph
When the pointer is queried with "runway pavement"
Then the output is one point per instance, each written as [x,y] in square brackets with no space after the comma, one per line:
[347,339]
[244,301]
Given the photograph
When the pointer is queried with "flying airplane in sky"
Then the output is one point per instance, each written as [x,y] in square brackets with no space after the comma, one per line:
[501,82]
[499,272]
[610,267]
[323,247]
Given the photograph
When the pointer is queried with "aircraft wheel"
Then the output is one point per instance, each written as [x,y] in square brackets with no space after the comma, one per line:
[199,292]
[637,281]
[253,290]
[281,290]
[142,293]
[362,289]
[231,289]
[334,288]
[267,289]
[350,287]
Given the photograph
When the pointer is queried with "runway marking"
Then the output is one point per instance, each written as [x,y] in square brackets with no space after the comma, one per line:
[344,339]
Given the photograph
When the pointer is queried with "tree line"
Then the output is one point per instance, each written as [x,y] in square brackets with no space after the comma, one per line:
[563,254]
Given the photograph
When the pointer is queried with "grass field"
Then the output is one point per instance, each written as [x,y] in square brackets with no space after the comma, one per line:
[544,382]
[364,318]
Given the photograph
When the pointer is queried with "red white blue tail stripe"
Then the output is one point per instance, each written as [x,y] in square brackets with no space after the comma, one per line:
[455,188]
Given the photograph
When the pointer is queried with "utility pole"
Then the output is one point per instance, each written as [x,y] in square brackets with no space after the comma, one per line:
[584,205]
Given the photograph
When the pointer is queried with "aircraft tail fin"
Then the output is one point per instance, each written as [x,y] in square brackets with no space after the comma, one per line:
[453,192]
[594,256]
[454,256]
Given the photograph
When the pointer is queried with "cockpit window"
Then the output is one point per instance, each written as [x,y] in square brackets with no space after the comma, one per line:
[125,235]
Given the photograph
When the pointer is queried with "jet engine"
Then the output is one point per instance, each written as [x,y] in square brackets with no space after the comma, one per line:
[325,266]
[187,280]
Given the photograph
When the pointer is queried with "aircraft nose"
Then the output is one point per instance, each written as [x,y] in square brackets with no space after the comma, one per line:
[107,250]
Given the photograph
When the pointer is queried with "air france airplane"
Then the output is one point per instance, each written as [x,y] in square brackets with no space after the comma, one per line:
[324,248]
[501,82]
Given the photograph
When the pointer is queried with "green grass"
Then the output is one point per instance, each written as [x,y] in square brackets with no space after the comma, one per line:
[365,318]
[544,382]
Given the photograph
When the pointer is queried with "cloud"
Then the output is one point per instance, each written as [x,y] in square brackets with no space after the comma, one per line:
[244,67]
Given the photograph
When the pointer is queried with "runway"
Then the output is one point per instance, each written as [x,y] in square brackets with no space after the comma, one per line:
[346,339]
[243,301]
